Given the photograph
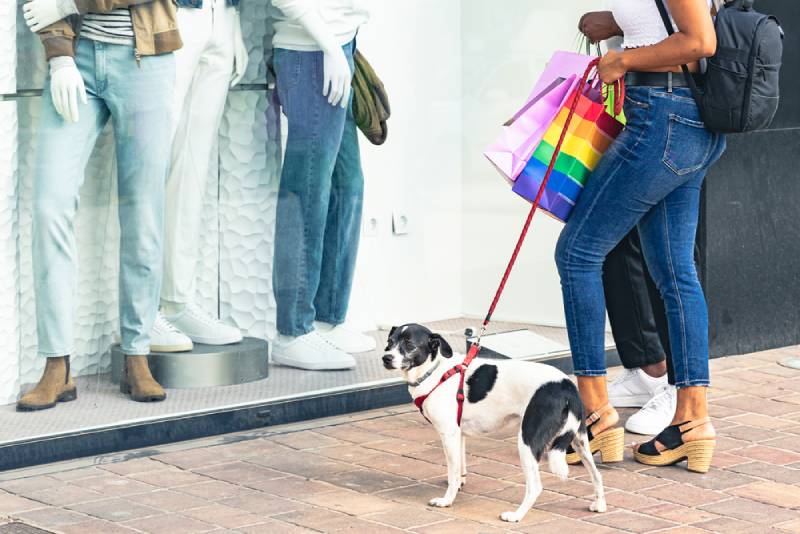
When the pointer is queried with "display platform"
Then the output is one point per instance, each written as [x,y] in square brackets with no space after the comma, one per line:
[103,420]
[205,365]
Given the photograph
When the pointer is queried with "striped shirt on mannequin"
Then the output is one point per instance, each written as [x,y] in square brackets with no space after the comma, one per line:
[114,27]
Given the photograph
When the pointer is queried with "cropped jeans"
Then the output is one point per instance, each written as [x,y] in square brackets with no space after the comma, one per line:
[320,198]
[650,177]
[138,99]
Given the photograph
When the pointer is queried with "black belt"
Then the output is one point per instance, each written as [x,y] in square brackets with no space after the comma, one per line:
[656,79]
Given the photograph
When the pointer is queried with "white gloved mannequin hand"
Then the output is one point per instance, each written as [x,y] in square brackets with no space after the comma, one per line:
[42,13]
[240,54]
[337,77]
[66,85]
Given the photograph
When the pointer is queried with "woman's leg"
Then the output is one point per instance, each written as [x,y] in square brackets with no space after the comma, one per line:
[668,234]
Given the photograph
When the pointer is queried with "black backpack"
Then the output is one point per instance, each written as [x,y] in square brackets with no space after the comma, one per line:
[740,91]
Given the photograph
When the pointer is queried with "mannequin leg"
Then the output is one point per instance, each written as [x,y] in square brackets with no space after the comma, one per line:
[63,151]
[194,132]
[140,100]
[343,229]
[313,143]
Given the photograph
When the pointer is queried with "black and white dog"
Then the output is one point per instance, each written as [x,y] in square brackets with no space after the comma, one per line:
[537,399]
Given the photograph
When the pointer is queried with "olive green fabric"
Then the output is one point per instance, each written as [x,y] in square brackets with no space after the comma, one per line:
[370,101]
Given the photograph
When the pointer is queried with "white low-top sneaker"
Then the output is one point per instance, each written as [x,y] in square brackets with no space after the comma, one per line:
[345,339]
[633,388]
[164,337]
[656,415]
[311,352]
[203,328]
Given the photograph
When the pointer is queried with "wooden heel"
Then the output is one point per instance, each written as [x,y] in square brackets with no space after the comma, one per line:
[699,454]
[611,445]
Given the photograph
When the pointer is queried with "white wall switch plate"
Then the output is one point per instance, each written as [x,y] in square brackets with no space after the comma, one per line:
[399,223]
[371,226]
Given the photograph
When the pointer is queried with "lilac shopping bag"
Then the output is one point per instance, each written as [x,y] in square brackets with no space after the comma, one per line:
[521,135]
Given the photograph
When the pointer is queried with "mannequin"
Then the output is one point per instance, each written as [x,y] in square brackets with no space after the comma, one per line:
[134,89]
[213,58]
[321,191]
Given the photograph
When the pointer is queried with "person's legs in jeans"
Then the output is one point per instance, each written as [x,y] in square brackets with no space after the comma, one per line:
[663,148]
[342,230]
[140,100]
[312,147]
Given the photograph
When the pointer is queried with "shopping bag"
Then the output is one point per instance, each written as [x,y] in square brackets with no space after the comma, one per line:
[562,64]
[590,133]
[522,133]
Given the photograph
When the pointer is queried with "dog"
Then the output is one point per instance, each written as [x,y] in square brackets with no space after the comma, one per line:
[538,400]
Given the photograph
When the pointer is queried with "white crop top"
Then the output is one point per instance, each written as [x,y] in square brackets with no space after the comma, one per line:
[640,21]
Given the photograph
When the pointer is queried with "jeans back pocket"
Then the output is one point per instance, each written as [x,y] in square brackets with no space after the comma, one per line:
[689,145]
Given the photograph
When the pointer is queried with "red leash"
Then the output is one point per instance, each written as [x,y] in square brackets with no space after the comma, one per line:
[461,368]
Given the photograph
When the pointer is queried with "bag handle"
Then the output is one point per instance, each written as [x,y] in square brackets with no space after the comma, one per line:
[662,9]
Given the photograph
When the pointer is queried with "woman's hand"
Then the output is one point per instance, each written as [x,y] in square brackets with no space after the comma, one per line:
[612,66]
[599,26]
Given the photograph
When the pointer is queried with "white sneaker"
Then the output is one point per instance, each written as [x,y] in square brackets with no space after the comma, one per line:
[345,339]
[203,328]
[656,414]
[633,388]
[311,352]
[164,337]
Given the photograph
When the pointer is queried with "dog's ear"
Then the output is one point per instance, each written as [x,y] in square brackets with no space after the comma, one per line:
[393,330]
[437,344]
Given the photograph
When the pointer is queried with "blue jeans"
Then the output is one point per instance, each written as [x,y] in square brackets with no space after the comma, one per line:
[138,99]
[318,218]
[650,177]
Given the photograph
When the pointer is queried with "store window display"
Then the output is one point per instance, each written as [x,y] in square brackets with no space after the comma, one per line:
[121,68]
[321,191]
[213,59]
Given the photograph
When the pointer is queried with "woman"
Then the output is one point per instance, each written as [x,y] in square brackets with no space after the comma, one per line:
[649,178]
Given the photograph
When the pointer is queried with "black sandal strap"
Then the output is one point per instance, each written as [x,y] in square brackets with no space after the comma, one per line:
[671,437]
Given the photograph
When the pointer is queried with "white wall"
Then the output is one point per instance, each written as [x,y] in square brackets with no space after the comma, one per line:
[415,46]
[505,46]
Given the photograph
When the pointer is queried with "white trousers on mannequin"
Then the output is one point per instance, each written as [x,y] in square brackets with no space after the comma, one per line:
[204,70]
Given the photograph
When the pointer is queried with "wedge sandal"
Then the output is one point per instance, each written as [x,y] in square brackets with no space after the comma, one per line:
[697,453]
[610,442]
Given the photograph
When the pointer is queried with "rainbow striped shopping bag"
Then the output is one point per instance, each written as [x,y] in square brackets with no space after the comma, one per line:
[589,135]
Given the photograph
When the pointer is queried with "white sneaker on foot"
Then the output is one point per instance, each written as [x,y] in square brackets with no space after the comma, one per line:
[164,337]
[633,388]
[345,339]
[656,415]
[203,328]
[311,352]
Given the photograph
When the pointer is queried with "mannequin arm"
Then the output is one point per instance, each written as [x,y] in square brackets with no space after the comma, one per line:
[240,55]
[337,77]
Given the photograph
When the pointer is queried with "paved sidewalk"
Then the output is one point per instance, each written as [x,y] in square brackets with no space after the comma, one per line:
[373,473]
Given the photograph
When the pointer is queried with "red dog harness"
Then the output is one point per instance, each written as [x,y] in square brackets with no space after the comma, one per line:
[461,369]
[619,92]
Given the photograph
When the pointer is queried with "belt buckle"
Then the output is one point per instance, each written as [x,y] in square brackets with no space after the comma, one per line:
[669,81]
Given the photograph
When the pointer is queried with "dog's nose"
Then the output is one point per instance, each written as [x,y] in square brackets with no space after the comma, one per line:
[387,359]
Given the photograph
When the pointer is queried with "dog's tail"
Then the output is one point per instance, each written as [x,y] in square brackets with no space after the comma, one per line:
[557,455]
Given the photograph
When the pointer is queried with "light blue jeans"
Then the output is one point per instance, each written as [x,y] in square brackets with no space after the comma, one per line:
[318,220]
[650,177]
[138,99]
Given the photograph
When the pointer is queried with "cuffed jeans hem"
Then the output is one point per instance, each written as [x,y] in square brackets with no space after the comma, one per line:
[134,352]
[334,322]
[640,361]
[56,354]
[590,372]
[295,333]
[692,383]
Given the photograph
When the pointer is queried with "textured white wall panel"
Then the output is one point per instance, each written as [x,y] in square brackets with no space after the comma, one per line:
[9,272]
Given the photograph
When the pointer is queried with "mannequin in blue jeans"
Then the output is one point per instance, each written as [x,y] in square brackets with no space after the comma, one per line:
[318,218]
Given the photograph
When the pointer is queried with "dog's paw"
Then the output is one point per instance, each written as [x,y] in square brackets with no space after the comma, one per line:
[440,502]
[511,517]
[598,505]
